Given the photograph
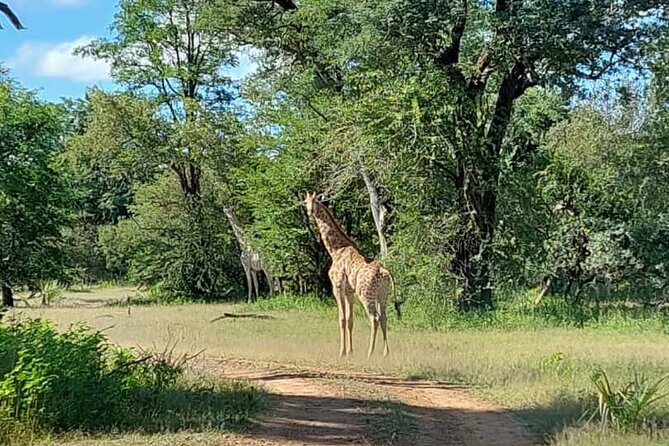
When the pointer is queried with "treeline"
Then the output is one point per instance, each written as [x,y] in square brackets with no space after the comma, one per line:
[473,146]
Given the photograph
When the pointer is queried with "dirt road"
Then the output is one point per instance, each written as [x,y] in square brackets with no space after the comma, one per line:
[318,407]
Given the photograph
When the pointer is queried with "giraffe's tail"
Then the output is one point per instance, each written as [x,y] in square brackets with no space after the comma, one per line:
[396,303]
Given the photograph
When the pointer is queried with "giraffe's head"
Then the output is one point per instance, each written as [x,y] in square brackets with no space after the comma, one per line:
[311,200]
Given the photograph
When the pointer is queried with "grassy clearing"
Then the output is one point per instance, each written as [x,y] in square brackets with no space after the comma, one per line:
[198,410]
[82,296]
[540,374]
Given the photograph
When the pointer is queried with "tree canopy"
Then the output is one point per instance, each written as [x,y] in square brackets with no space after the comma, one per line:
[472,146]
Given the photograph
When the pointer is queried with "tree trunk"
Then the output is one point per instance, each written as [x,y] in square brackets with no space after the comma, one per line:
[476,179]
[7,295]
[477,203]
[378,213]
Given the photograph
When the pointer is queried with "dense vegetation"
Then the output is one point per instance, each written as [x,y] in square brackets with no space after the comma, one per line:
[481,149]
[53,382]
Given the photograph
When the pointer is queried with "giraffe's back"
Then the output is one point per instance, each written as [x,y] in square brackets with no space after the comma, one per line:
[367,277]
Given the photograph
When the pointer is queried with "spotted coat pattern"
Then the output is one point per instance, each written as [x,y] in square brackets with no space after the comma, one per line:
[352,274]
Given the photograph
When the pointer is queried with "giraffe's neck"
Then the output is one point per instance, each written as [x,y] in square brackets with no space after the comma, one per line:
[236,228]
[331,234]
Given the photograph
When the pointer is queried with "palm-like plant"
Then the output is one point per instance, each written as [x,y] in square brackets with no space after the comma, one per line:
[4,8]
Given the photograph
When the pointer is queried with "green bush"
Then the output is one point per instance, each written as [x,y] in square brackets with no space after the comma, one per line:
[182,247]
[69,380]
[52,381]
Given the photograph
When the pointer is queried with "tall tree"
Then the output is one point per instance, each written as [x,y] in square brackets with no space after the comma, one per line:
[34,195]
[463,65]
[167,49]
[168,52]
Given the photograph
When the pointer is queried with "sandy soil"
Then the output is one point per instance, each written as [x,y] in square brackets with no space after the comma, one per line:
[311,410]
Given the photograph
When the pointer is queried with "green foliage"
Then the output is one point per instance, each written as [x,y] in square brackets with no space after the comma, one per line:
[629,407]
[423,93]
[50,291]
[34,195]
[462,113]
[166,242]
[145,30]
[75,380]
[119,147]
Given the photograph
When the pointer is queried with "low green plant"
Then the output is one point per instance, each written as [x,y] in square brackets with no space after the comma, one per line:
[558,365]
[75,380]
[51,291]
[627,408]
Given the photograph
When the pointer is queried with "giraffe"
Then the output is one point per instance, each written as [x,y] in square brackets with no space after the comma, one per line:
[251,260]
[352,274]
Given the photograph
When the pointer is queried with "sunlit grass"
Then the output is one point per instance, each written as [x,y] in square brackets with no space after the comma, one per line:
[541,375]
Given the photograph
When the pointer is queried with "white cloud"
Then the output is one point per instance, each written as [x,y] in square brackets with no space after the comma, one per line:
[247,63]
[57,60]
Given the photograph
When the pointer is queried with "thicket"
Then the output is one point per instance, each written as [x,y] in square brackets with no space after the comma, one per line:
[53,382]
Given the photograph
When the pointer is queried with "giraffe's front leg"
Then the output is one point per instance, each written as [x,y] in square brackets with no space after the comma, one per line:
[348,301]
[342,319]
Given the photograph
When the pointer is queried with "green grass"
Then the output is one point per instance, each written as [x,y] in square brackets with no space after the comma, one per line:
[541,374]
[514,311]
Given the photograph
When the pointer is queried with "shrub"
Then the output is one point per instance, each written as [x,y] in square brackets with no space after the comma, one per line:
[52,381]
[59,380]
[629,407]
[51,291]
[72,379]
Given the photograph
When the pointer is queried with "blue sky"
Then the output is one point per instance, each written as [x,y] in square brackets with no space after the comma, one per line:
[40,58]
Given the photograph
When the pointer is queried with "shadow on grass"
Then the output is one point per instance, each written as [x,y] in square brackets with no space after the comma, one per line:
[321,420]
[231,408]
[305,416]
[429,413]
[217,406]
[562,413]
[312,419]
[362,377]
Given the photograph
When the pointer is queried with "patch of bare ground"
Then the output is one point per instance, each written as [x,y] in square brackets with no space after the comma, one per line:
[322,407]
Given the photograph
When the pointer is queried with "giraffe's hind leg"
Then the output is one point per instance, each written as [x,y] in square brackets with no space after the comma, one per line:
[384,329]
[374,324]
[372,313]
[342,320]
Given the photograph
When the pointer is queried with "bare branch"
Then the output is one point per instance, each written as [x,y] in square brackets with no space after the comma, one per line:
[11,16]
[482,71]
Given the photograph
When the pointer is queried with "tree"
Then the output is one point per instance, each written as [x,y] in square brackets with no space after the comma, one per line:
[167,52]
[460,66]
[34,194]
[167,49]
[121,145]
